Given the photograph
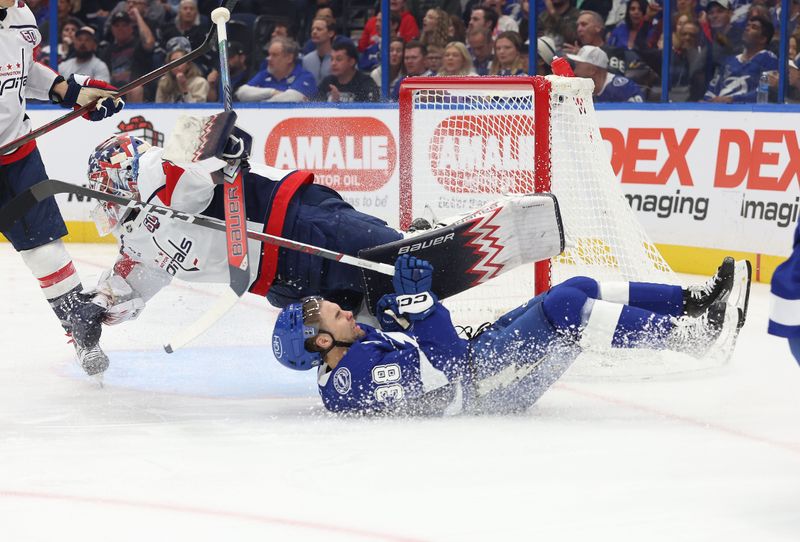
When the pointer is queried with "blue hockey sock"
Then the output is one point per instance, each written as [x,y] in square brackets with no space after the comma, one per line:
[622,326]
[659,298]
[794,346]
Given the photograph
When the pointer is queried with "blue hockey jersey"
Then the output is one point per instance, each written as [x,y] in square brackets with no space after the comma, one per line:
[619,89]
[385,369]
[784,318]
[739,79]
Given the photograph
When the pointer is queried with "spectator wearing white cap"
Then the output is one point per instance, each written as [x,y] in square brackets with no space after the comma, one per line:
[85,62]
[592,62]
[545,53]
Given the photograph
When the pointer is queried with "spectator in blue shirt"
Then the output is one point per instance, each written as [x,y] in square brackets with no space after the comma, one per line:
[592,62]
[283,80]
[736,81]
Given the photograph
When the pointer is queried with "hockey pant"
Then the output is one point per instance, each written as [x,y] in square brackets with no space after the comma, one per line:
[319,216]
[43,222]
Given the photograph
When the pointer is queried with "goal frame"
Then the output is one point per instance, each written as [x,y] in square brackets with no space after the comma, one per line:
[541,89]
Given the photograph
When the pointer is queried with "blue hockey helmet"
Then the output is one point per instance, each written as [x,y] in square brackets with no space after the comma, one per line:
[290,334]
[114,169]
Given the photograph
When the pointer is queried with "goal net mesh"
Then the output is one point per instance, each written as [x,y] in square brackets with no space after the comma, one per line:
[469,144]
[468,140]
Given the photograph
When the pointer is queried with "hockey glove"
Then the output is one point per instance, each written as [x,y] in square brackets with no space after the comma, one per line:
[412,275]
[115,295]
[238,145]
[414,307]
[81,90]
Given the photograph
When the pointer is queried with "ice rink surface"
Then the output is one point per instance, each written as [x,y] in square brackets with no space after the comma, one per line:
[218,443]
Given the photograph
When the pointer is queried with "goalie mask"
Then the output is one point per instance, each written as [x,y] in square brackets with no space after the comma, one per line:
[114,169]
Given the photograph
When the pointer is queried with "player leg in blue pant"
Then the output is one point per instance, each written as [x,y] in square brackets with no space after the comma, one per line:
[324,219]
[516,359]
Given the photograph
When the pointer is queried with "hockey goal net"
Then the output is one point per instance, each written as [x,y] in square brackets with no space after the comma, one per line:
[464,141]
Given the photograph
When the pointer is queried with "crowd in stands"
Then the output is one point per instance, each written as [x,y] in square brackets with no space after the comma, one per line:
[330,50]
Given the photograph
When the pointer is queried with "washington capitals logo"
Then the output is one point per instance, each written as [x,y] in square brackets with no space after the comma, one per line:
[486,246]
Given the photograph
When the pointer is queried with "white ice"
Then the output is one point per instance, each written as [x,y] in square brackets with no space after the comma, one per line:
[219,443]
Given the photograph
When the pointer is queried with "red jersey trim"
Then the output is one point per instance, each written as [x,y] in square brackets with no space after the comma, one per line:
[173,174]
[60,275]
[274,226]
[18,154]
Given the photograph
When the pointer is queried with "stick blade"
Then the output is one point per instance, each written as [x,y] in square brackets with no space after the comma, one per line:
[199,326]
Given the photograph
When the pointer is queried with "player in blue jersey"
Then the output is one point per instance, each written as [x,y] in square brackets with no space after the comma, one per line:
[736,81]
[283,79]
[784,314]
[418,364]
[37,237]
[592,62]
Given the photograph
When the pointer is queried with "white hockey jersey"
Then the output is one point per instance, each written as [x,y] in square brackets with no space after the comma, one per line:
[154,249]
[20,76]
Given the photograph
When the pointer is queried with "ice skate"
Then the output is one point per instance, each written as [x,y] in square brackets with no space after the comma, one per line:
[92,360]
[695,336]
[699,297]
[85,327]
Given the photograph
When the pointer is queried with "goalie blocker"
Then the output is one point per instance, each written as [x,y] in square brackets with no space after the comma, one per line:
[477,247]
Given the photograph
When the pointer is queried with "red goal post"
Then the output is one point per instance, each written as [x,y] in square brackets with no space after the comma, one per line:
[537,180]
[466,140]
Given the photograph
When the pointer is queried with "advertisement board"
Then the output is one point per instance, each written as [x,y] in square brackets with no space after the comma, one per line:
[698,179]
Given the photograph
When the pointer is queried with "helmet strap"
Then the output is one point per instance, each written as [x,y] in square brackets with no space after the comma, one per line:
[333,345]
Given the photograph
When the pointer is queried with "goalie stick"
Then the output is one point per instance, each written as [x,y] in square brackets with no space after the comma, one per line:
[235,219]
[122,91]
[17,207]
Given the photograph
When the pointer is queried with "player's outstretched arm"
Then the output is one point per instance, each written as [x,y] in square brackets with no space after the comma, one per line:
[80,90]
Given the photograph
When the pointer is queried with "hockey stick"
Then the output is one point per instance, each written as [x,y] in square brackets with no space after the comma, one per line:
[122,91]
[235,219]
[22,202]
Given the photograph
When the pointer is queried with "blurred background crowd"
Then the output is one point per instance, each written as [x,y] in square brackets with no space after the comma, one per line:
[723,51]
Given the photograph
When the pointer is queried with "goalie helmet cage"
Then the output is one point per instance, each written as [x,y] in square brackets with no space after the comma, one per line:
[464,140]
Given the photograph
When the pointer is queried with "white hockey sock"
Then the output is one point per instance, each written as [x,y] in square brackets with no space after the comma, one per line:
[614,292]
[601,318]
[52,266]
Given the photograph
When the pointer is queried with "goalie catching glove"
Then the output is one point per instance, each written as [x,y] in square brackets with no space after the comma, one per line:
[82,90]
[117,298]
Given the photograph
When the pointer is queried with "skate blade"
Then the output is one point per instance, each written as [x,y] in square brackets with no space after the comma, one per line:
[98,378]
[740,294]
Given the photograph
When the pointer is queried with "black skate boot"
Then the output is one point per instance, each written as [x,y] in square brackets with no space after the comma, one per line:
[699,297]
[83,320]
[695,336]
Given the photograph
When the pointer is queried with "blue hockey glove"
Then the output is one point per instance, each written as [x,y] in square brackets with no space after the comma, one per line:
[416,307]
[81,90]
[389,314]
[412,275]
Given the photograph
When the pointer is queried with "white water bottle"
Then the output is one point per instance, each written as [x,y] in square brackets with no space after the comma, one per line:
[762,93]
